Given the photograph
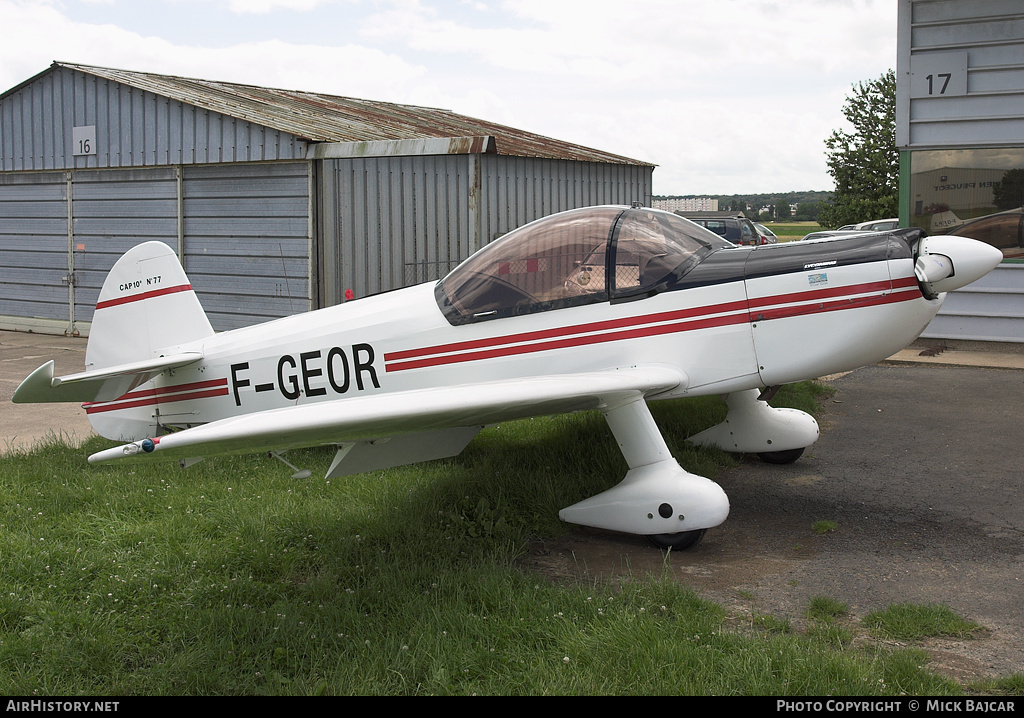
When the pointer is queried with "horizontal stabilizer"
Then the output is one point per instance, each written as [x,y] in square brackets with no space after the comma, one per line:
[41,386]
[410,412]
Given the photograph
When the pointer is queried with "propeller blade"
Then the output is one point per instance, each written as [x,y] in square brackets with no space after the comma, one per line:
[932,268]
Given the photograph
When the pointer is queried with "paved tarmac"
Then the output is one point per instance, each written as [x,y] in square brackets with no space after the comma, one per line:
[23,425]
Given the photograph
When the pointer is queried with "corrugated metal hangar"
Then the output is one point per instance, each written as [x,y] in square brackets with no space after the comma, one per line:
[276,201]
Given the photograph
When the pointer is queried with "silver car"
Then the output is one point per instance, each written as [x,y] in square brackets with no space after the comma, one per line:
[826,233]
[765,235]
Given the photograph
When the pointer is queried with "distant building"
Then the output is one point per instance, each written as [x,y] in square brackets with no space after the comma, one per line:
[960,189]
[687,204]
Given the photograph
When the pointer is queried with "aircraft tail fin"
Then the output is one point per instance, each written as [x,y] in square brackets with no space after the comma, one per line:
[945,221]
[146,308]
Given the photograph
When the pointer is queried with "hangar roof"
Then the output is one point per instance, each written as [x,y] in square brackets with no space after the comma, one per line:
[323,118]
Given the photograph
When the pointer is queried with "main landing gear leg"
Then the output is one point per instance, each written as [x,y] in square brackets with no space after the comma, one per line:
[778,436]
[657,498]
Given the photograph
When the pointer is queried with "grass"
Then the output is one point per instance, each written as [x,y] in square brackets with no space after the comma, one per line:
[230,578]
[824,526]
[908,622]
[789,231]
[825,608]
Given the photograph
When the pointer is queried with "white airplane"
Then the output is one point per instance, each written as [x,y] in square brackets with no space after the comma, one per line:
[597,308]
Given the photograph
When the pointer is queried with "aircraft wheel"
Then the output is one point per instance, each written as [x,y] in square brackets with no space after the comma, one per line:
[677,542]
[781,457]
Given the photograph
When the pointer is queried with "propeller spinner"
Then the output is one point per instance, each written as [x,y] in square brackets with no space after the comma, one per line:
[945,263]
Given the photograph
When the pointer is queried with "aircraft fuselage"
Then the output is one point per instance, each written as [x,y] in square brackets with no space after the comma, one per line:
[742,318]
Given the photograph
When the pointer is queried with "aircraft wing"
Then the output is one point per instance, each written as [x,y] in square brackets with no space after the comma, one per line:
[41,386]
[417,412]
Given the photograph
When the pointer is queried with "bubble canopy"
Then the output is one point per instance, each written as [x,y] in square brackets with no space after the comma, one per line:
[582,256]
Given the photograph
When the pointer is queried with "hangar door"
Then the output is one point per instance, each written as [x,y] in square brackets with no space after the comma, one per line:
[242,232]
[34,248]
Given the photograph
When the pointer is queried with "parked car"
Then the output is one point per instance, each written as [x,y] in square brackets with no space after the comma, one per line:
[878,225]
[826,233]
[765,235]
[732,226]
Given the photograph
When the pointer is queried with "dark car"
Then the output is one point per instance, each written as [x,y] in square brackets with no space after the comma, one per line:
[732,226]
[1003,230]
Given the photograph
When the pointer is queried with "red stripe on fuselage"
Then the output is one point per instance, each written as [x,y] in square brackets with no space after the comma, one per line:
[715,315]
[831,306]
[572,341]
[818,294]
[567,331]
[161,395]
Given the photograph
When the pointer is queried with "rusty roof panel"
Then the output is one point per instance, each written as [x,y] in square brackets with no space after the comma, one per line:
[328,118]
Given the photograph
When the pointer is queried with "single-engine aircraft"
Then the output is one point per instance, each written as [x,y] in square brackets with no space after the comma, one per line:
[601,308]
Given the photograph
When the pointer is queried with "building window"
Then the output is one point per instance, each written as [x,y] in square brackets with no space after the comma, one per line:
[975,193]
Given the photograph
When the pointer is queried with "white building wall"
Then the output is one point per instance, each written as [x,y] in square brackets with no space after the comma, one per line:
[686,204]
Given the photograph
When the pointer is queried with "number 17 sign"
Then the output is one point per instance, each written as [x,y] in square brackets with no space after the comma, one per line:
[938,75]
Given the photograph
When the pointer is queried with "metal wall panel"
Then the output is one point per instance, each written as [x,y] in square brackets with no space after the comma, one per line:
[246,240]
[133,128]
[34,249]
[113,211]
[390,222]
[960,73]
[990,309]
[517,190]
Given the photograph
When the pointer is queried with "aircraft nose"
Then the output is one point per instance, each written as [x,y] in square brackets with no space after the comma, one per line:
[945,263]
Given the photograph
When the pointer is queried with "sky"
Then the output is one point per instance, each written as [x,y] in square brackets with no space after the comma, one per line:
[724,96]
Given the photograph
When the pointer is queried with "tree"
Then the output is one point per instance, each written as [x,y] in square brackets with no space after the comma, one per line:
[807,211]
[865,164]
[782,211]
[1008,192]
